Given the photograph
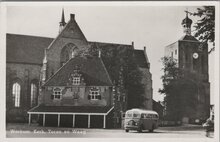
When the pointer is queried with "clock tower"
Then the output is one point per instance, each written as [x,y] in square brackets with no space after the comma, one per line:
[192,58]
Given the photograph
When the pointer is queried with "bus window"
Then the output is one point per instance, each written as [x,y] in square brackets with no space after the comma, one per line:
[129,115]
[136,115]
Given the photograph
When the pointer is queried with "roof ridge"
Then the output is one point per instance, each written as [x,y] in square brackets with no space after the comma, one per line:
[108,43]
[29,35]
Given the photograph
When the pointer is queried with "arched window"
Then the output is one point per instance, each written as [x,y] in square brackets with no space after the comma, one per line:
[33,94]
[16,93]
[68,52]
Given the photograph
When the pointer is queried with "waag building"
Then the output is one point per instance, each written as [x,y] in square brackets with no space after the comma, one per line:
[51,81]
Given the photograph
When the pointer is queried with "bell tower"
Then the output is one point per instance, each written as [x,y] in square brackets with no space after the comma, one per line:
[192,60]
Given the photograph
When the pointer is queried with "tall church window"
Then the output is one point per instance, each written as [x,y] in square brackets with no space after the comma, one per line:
[67,52]
[16,93]
[33,94]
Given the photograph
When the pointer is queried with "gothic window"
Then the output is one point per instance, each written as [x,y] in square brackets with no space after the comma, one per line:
[94,94]
[16,93]
[57,92]
[67,52]
[175,52]
[33,94]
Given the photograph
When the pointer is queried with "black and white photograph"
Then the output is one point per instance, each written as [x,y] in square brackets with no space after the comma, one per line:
[143,70]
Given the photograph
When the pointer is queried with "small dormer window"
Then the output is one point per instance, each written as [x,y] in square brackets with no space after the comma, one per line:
[76,80]
[76,77]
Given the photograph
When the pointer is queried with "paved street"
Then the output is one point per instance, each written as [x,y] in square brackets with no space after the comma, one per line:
[23,130]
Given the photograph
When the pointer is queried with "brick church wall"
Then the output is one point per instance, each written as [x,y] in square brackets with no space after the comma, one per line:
[25,74]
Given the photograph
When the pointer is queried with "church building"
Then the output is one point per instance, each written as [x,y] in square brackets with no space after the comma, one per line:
[192,59]
[54,82]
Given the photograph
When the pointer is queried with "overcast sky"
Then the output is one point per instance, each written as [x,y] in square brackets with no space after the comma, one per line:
[150,26]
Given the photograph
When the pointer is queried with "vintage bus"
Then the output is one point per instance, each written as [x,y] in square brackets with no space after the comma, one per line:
[140,119]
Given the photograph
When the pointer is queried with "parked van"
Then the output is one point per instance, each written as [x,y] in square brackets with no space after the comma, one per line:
[140,119]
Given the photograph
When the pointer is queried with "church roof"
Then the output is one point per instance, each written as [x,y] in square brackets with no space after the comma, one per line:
[140,58]
[188,37]
[25,48]
[92,69]
[30,49]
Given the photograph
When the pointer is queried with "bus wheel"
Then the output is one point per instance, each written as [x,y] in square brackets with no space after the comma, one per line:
[126,130]
[152,129]
[140,129]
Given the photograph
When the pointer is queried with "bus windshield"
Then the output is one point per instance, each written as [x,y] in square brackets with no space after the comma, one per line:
[132,115]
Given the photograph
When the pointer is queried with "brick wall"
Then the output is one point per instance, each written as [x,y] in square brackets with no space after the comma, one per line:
[25,74]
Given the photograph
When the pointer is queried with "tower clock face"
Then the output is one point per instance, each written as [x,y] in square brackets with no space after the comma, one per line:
[195,55]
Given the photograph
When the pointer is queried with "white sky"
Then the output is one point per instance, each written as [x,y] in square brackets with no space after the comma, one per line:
[150,26]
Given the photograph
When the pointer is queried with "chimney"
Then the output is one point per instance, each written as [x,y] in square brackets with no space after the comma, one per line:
[144,48]
[132,44]
[72,16]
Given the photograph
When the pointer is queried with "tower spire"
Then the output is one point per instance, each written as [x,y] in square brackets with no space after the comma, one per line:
[62,22]
[63,17]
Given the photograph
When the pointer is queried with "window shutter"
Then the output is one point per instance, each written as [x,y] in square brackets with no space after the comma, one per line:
[52,97]
[99,97]
[89,97]
[102,89]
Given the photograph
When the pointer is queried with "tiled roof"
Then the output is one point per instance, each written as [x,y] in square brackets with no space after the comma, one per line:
[71,109]
[140,58]
[26,49]
[92,69]
[188,37]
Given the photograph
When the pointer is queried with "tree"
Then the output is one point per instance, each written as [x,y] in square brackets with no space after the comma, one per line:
[205,26]
[116,57]
[179,92]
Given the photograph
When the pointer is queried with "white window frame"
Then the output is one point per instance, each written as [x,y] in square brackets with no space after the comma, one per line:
[16,91]
[57,93]
[33,94]
[76,80]
[94,94]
